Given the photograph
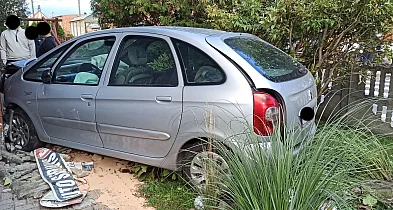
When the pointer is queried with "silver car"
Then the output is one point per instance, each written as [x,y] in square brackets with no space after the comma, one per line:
[152,94]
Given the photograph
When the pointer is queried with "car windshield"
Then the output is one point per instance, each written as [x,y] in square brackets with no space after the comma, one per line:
[268,60]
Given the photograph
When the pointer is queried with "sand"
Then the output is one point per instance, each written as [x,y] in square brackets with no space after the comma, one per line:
[118,190]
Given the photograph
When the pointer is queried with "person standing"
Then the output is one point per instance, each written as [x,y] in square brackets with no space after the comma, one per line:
[14,46]
[31,33]
[48,42]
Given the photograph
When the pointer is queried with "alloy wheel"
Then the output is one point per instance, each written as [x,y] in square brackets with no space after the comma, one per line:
[204,161]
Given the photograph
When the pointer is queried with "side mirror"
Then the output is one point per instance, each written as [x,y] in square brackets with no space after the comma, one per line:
[46,76]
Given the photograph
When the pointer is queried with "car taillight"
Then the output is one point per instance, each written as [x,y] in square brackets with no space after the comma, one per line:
[266,113]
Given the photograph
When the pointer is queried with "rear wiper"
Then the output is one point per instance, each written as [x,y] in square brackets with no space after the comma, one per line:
[302,69]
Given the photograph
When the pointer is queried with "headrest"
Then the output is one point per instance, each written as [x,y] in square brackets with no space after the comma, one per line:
[137,55]
[208,74]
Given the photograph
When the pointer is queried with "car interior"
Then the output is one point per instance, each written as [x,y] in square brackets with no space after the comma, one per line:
[199,67]
[140,61]
[85,64]
[145,61]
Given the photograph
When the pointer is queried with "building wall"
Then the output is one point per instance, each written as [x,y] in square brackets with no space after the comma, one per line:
[78,28]
[38,14]
[65,22]
[82,26]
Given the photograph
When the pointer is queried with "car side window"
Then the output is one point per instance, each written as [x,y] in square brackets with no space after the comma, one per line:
[144,61]
[34,74]
[198,67]
[84,64]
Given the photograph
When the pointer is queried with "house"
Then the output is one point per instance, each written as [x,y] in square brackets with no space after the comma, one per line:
[65,22]
[38,15]
[84,24]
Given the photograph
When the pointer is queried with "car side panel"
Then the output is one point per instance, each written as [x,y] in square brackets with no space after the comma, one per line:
[230,106]
[24,94]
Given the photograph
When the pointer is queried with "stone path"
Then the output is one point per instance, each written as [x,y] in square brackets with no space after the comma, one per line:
[106,182]
[27,185]
[8,201]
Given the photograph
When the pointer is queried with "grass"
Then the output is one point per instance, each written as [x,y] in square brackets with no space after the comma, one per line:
[333,163]
[387,142]
[168,195]
[339,167]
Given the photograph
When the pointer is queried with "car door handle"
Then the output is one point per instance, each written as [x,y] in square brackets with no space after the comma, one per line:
[87,97]
[163,99]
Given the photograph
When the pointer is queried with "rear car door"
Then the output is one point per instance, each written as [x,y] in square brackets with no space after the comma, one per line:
[67,105]
[139,110]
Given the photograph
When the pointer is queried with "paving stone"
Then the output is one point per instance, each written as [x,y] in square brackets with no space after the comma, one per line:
[5,196]
[27,207]
[25,177]
[11,157]
[26,167]
[26,159]
[87,202]
[4,172]
[20,203]
[8,206]
[6,201]
[35,192]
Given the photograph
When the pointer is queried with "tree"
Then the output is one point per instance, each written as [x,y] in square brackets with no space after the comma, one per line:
[330,31]
[325,35]
[60,30]
[11,7]
[123,13]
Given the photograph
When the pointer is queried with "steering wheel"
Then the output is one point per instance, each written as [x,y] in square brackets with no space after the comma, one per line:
[88,67]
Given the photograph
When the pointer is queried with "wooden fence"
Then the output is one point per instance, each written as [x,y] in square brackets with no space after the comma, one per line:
[370,86]
[64,39]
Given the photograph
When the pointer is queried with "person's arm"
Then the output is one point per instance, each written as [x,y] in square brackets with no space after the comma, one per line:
[32,48]
[3,49]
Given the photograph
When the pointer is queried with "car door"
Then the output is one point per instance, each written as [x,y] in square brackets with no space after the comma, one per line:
[29,85]
[66,105]
[139,109]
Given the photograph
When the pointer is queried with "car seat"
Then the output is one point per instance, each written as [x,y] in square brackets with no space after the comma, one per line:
[207,74]
[169,77]
[140,73]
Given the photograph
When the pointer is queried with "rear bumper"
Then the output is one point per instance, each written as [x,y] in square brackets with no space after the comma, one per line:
[310,133]
[305,135]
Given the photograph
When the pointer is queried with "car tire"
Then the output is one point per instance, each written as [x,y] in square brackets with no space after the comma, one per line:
[191,153]
[24,134]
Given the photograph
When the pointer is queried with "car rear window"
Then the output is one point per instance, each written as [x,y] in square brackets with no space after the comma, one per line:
[268,60]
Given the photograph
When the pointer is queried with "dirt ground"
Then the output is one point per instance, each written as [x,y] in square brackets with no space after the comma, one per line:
[117,190]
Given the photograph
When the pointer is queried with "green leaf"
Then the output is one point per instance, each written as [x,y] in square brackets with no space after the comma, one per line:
[369,200]
[144,168]
[165,173]
[7,181]
[174,176]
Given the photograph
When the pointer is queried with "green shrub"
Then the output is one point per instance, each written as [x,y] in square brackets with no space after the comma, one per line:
[168,195]
[151,173]
[331,167]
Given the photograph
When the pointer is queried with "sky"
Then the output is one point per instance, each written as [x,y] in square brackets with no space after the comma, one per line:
[60,7]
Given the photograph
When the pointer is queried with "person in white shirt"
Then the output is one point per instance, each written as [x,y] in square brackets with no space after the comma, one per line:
[14,46]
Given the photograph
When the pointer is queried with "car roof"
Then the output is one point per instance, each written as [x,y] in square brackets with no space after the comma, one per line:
[172,31]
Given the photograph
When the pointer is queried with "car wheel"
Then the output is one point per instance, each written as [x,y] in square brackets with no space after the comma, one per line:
[23,134]
[195,161]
